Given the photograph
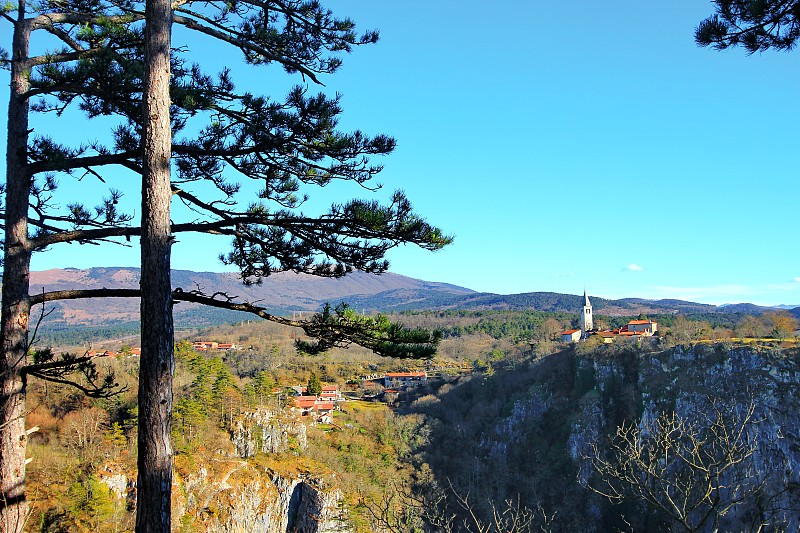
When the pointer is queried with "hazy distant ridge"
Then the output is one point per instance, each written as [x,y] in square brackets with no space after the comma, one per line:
[287,292]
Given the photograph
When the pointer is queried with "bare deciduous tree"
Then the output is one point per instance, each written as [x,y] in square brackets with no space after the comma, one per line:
[83,430]
[691,471]
[401,510]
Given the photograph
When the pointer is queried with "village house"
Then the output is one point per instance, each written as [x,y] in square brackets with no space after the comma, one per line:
[329,392]
[402,380]
[104,353]
[634,328]
[607,336]
[571,335]
[642,327]
[320,409]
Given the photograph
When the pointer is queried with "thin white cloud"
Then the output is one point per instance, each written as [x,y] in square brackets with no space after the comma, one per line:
[796,279]
[633,267]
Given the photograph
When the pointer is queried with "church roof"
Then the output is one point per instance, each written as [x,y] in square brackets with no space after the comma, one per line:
[586,302]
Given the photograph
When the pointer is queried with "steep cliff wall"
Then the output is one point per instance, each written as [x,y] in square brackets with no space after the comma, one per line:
[233,496]
[535,430]
[698,384]
[216,491]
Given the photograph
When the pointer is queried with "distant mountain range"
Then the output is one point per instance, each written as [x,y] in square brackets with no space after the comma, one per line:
[286,293]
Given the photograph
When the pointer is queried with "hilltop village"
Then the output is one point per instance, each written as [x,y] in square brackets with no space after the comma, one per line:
[634,328]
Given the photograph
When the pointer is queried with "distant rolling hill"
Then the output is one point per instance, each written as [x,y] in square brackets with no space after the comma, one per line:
[281,293]
[285,293]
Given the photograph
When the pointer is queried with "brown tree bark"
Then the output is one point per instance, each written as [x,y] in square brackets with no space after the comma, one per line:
[154,487]
[15,303]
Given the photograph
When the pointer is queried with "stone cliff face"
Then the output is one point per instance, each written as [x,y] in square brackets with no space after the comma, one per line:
[538,445]
[576,415]
[232,496]
[280,505]
[692,383]
[267,431]
[219,492]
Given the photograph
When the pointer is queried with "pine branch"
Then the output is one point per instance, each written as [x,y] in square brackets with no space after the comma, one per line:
[63,165]
[241,43]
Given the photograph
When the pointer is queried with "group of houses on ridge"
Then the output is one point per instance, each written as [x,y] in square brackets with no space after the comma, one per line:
[132,352]
[634,328]
[203,346]
[320,407]
[402,380]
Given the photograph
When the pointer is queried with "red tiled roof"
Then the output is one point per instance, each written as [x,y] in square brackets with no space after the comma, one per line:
[305,402]
[570,331]
[639,322]
[406,374]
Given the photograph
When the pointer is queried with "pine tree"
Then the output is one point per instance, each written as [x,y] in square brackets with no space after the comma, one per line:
[314,386]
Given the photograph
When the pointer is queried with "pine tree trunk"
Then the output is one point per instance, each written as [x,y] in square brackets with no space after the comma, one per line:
[15,302]
[154,487]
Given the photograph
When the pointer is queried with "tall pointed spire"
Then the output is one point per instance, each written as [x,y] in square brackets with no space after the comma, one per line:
[587,321]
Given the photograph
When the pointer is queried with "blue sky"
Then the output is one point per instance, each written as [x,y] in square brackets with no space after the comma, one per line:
[566,145]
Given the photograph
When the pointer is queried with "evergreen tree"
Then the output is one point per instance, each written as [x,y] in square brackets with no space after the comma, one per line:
[314,386]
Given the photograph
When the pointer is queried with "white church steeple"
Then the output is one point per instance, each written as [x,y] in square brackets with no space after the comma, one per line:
[587,324]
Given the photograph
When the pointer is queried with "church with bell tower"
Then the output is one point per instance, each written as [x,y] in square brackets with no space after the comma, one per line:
[587,324]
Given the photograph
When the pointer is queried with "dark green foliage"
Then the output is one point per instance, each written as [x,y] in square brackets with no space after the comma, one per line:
[77,371]
[211,397]
[715,320]
[756,25]
[342,326]
[92,502]
[518,326]
[314,387]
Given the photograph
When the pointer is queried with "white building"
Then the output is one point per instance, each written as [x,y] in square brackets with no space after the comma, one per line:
[571,335]
[642,327]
